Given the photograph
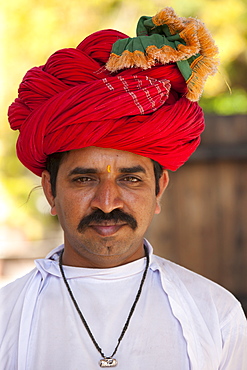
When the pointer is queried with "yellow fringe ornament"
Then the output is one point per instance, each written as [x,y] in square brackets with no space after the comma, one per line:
[197,42]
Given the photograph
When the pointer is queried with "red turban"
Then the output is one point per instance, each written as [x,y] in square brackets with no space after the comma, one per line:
[73,102]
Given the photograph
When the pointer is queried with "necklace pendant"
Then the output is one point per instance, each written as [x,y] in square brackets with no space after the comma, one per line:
[108,362]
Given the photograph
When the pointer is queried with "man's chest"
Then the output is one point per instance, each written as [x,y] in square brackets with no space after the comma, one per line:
[59,339]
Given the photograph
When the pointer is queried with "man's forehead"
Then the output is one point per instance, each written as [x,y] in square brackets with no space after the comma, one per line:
[95,157]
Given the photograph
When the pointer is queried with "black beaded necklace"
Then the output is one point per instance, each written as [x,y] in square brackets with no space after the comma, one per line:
[106,361]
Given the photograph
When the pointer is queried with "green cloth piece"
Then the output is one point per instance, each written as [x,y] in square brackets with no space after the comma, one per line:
[149,34]
[141,43]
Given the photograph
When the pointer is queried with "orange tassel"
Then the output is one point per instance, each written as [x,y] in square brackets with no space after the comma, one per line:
[198,41]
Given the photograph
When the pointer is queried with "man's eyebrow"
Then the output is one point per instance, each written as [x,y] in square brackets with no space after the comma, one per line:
[87,170]
[82,171]
[133,169]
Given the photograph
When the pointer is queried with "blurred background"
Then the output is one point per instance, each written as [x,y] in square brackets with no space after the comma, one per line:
[203,221]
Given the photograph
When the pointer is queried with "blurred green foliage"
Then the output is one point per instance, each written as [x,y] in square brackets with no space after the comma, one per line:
[31,31]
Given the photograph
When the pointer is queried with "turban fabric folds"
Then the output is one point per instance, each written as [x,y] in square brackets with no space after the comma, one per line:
[74,101]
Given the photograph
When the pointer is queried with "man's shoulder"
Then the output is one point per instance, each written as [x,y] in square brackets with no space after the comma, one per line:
[189,277]
[205,293]
[13,290]
[21,284]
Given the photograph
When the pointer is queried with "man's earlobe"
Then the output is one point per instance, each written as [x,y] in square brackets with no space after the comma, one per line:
[53,211]
[46,185]
[163,183]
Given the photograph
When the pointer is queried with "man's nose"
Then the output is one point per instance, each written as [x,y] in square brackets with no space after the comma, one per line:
[107,196]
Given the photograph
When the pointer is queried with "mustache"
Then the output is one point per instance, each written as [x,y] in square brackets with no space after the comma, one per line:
[99,217]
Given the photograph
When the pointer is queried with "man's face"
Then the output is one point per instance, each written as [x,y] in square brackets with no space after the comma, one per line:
[105,201]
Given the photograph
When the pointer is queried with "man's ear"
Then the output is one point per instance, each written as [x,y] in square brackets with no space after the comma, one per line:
[46,185]
[163,182]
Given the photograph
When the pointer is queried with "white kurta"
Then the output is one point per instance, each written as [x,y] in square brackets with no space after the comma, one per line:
[182,320]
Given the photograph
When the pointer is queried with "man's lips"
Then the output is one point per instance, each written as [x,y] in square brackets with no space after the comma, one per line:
[106,230]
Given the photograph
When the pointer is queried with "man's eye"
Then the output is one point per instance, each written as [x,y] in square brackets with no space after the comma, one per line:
[133,179]
[82,179]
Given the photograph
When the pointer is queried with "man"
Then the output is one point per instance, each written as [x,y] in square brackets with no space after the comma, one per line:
[101,124]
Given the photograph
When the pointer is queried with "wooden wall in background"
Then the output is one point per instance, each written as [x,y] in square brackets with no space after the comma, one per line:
[203,224]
